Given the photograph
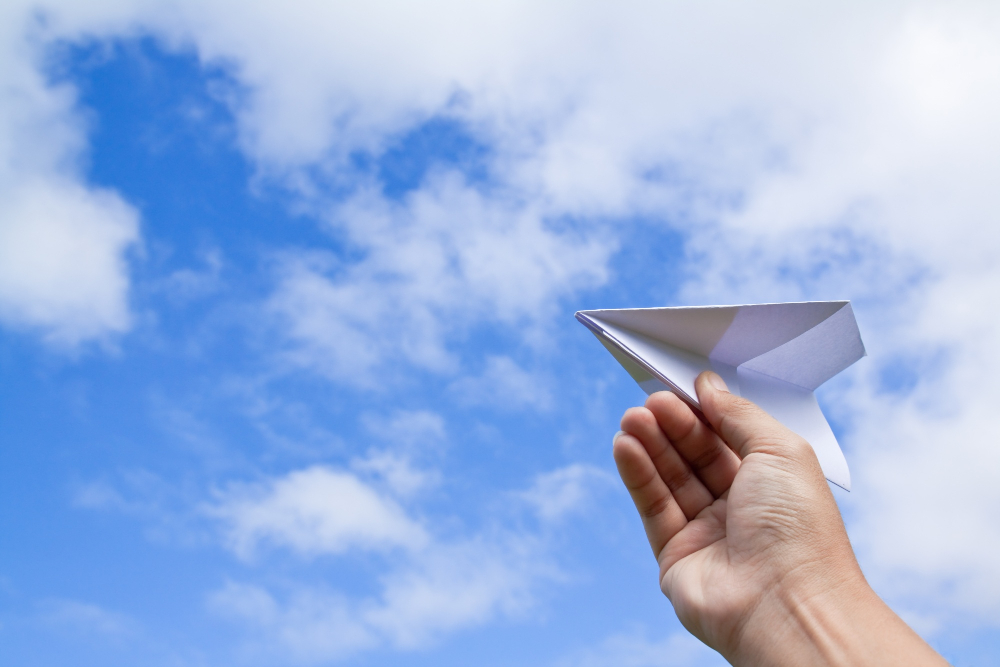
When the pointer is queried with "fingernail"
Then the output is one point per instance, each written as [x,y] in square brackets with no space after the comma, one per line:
[716,381]
[615,439]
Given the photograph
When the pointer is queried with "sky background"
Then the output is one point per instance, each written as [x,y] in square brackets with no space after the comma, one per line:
[288,368]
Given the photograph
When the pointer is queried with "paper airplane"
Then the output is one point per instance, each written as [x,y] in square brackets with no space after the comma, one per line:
[775,354]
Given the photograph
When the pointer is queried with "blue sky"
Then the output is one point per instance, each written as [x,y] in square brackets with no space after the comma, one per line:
[290,373]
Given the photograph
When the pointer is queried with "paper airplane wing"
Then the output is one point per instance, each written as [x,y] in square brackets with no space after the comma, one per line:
[775,354]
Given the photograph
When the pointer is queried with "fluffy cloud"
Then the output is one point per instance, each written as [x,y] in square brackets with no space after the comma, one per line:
[62,264]
[315,511]
[928,462]
[63,244]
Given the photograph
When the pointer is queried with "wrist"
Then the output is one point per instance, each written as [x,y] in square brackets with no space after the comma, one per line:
[816,620]
[798,621]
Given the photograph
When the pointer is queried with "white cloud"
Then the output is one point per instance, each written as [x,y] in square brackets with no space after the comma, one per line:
[403,446]
[566,490]
[446,259]
[315,511]
[504,385]
[62,265]
[313,627]
[433,587]
[441,590]
[398,474]
[926,506]
[458,585]
[63,244]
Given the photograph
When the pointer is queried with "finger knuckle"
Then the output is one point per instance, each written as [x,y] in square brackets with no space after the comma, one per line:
[706,458]
[677,477]
[654,507]
[786,445]
[734,411]
[799,448]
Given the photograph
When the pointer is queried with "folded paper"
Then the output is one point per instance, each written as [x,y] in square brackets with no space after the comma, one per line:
[775,354]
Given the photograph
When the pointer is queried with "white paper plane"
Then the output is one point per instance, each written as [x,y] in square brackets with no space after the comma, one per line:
[775,354]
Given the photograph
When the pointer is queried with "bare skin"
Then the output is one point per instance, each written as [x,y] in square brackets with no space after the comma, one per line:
[752,549]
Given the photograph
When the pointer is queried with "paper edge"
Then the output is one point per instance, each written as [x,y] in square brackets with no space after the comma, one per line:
[718,305]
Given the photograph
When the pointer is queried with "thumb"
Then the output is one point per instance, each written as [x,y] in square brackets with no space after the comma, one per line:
[744,426]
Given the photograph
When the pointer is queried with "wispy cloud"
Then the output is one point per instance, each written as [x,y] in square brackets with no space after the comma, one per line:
[407,431]
[431,587]
[312,626]
[431,268]
[396,472]
[443,589]
[572,489]
[403,450]
[85,618]
[503,385]
[189,284]
[426,595]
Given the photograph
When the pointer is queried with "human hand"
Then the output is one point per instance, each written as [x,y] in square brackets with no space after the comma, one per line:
[752,549]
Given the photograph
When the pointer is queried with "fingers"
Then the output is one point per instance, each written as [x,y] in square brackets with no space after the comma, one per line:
[690,494]
[709,457]
[661,516]
[744,426]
